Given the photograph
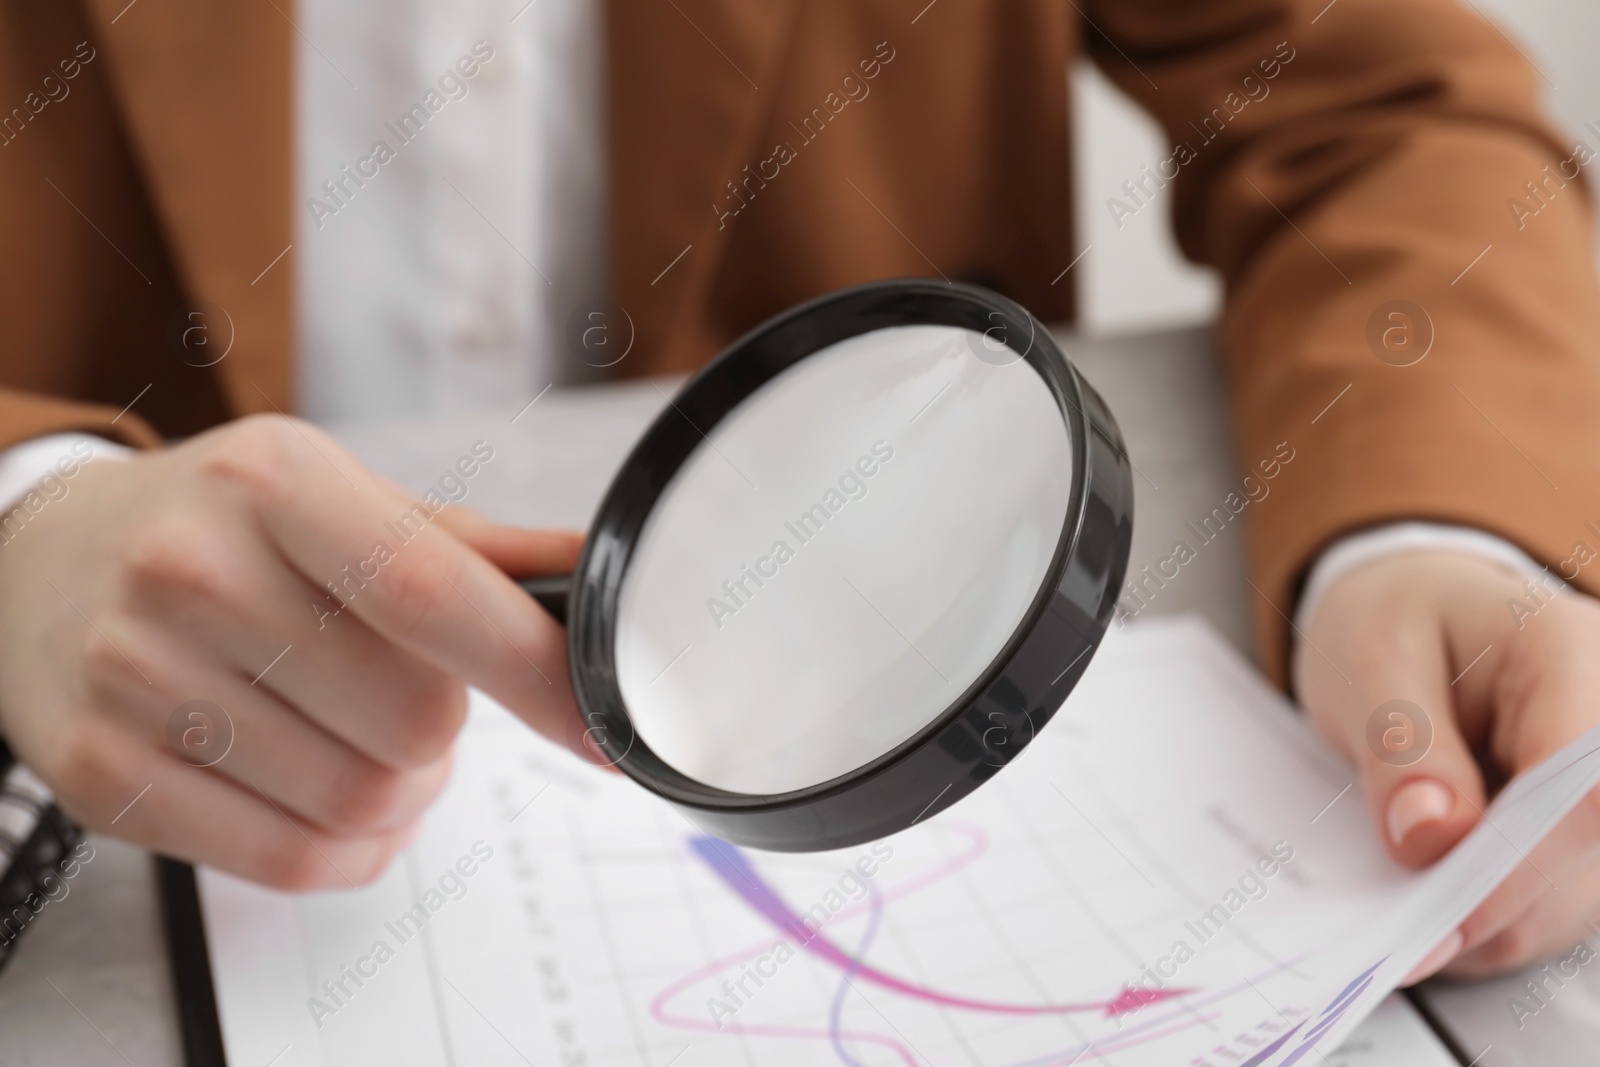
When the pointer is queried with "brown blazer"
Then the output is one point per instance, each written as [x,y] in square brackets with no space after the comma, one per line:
[1329,159]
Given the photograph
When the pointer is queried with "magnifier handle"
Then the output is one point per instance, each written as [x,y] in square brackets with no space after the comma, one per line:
[550,590]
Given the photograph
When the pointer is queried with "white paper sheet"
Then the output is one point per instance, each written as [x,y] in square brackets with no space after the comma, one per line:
[1102,900]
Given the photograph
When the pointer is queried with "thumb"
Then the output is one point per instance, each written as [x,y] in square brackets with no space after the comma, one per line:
[1391,711]
[519,552]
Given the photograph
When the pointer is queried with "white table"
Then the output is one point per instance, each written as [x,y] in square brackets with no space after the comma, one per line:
[90,985]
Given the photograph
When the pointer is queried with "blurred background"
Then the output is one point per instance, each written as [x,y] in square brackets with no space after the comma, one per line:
[1133,278]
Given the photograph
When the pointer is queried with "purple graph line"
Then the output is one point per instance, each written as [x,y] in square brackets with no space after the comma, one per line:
[977,844]
[836,1012]
[1330,1015]
[745,881]
[1165,1024]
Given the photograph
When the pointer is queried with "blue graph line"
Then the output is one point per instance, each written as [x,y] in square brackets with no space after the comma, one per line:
[874,917]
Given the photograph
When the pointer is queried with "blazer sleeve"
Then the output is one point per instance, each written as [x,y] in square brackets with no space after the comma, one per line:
[24,416]
[88,292]
[1411,296]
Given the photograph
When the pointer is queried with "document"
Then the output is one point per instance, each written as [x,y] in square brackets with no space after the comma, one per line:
[1176,871]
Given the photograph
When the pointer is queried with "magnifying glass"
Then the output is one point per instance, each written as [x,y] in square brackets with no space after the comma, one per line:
[851,569]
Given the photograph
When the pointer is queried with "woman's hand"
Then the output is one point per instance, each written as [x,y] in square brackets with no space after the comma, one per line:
[331,618]
[1505,684]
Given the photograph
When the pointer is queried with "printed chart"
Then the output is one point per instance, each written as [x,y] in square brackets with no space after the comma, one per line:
[1174,873]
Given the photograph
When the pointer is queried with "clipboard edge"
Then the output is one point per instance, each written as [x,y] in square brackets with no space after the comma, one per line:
[198,1021]
[1419,1003]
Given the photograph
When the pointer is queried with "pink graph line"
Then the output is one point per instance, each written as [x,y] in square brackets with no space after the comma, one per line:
[747,883]
[977,845]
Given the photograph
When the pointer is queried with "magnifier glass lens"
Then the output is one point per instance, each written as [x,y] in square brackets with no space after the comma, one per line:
[841,558]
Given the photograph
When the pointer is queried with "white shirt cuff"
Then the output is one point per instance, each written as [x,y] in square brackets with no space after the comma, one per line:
[43,468]
[1354,550]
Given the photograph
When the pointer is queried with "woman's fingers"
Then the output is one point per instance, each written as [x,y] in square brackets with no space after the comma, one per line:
[1413,667]
[1375,679]
[122,785]
[521,553]
[1542,694]
[416,585]
[329,621]
[280,635]
[213,719]
[1553,924]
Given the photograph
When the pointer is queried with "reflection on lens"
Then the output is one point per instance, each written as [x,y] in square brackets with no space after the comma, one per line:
[846,553]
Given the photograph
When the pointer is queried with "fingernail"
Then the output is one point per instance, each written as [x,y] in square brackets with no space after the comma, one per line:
[1416,803]
[1442,953]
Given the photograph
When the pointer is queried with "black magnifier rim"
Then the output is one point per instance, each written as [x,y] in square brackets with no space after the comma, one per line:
[942,762]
